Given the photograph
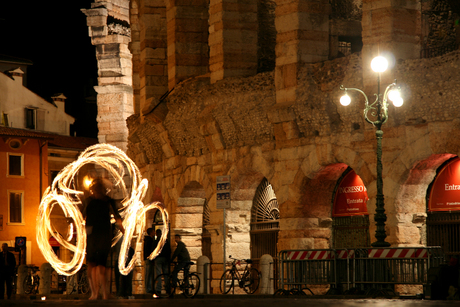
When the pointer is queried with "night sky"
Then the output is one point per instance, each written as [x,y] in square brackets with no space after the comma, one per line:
[54,36]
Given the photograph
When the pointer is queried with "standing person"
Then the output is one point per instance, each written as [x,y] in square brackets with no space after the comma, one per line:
[148,248]
[7,266]
[162,260]
[98,213]
[183,257]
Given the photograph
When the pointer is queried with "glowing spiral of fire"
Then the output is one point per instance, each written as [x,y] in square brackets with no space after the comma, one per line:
[63,193]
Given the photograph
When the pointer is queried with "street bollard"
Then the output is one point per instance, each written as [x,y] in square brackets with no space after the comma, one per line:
[266,270]
[204,274]
[45,279]
[22,274]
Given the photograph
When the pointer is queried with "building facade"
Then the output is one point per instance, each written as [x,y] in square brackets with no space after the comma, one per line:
[250,89]
[21,108]
[34,146]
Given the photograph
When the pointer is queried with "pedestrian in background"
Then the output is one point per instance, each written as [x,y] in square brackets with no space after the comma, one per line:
[149,265]
[7,267]
[162,260]
[182,254]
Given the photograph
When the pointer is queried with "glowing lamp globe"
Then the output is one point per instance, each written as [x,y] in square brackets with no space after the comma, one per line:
[379,64]
[394,95]
[345,100]
[398,102]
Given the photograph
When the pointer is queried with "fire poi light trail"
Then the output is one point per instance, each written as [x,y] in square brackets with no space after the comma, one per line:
[63,193]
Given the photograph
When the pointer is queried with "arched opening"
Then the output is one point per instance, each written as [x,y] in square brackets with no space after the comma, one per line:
[350,219]
[189,220]
[265,217]
[443,207]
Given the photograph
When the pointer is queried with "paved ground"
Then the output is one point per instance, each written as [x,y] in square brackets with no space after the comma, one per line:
[230,301]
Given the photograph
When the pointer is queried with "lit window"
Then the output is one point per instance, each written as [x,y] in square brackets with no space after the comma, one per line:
[15,165]
[15,207]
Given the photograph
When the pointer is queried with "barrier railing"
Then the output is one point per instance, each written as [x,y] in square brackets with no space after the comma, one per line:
[362,269]
[390,266]
[300,268]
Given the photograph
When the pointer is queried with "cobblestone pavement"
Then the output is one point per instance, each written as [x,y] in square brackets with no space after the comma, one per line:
[231,301]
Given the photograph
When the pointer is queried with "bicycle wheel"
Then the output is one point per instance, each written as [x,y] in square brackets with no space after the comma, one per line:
[191,285]
[28,285]
[84,283]
[163,286]
[226,282]
[250,281]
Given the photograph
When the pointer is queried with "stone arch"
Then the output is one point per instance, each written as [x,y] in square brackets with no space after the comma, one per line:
[410,203]
[187,213]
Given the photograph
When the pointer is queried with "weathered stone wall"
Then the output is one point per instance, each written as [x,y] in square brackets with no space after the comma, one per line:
[285,125]
[439,23]
[223,128]
[109,29]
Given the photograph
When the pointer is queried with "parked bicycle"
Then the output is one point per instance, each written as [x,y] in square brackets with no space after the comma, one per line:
[32,280]
[187,283]
[80,282]
[248,280]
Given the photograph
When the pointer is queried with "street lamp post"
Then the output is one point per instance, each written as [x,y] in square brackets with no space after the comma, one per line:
[376,113]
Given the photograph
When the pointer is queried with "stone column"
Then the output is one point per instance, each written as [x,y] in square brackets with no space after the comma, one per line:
[153,66]
[135,48]
[390,27]
[187,23]
[232,38]
[109,29]
[302,37]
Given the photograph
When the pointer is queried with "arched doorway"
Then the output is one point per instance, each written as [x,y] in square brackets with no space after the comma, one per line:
[264,221]
[443,208]
[350,219]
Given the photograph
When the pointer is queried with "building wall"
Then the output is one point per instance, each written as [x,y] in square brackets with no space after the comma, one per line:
[15,98]
[30,184]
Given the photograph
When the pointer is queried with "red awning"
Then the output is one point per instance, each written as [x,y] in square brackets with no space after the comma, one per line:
[445,192]
[350,197]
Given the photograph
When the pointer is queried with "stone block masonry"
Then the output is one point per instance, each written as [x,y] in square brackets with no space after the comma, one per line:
[108,23]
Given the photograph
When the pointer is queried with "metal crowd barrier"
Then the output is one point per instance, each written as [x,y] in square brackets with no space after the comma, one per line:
[384,267]
[360,269]
[300,268]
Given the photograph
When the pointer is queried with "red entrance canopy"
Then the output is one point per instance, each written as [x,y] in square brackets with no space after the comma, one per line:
[350,197]
[445,192]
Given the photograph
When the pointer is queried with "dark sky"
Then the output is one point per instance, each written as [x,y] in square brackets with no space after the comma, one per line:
[54,36]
